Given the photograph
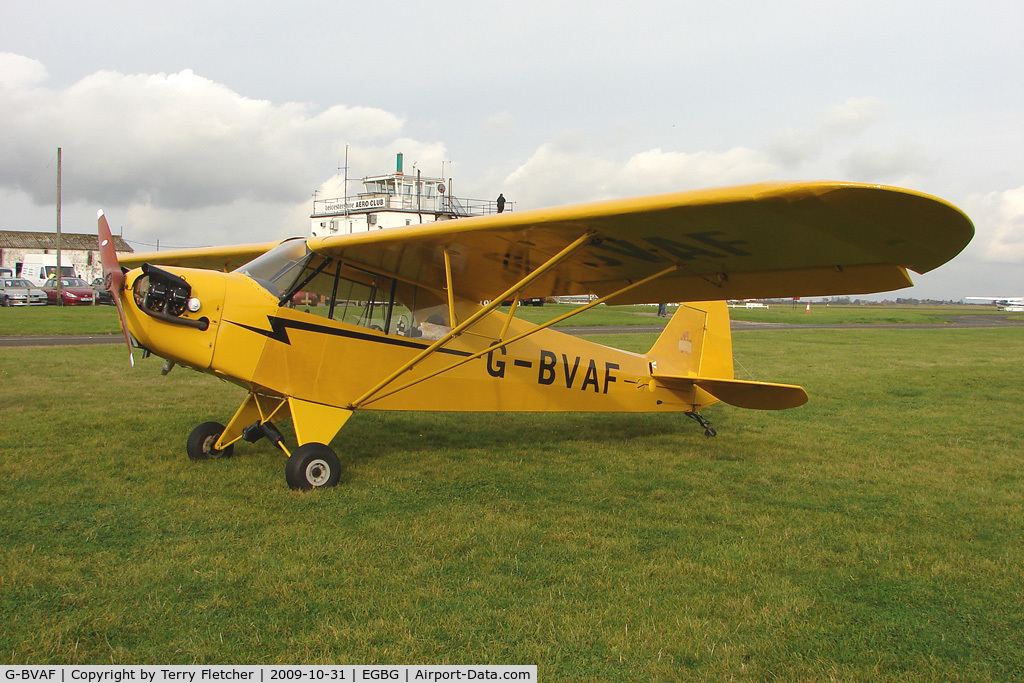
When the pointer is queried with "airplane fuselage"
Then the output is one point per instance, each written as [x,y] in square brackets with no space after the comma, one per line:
[254,341]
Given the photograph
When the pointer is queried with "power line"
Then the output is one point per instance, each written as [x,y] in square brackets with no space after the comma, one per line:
[162,245]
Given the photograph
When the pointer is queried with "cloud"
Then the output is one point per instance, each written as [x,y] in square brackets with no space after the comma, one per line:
[901,163]
[17,72]
[500,124]
[999,221]
[425,157]
[175,141]
[237,222]
[853,116]
[558,174]
[792,147]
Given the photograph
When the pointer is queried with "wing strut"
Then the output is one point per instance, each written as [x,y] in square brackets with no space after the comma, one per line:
[502,342]
[577,244]
[511,314]
[451,290]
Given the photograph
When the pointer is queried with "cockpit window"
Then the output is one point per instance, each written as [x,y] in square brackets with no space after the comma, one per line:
[278,269]
[348,293]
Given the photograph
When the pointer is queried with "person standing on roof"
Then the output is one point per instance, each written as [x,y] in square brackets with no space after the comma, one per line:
[501,202]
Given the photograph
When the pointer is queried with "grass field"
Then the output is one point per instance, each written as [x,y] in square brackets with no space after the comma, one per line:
[788,314]
[875,534]
[103,319]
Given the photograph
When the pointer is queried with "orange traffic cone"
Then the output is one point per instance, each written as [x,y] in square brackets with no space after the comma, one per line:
[808,309]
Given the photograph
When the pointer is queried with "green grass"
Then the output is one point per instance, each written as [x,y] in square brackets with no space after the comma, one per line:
[103,319]
[59,320]
[873,535]
[785,313]
[599,315]
[866,314]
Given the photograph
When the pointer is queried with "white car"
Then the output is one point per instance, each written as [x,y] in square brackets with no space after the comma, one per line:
[16,291]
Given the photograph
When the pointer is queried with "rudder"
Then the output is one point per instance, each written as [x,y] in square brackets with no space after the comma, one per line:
[697,342]
[695,352]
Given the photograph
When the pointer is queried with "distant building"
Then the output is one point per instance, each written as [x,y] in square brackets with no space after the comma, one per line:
[395,200]
[77,250]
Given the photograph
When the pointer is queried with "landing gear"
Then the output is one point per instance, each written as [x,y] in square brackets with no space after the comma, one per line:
[708,430]
[202,439]
[312,466]
[259,430]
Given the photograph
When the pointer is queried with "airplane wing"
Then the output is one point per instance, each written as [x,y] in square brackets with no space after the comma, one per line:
[997,299]
[211,258]
[747,242]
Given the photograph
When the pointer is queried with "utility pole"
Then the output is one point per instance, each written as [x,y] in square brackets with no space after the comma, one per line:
[344,202]
[60,289]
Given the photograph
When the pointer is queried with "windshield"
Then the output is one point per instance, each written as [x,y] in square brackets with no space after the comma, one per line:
[64,270]
[278,269]
[17,283]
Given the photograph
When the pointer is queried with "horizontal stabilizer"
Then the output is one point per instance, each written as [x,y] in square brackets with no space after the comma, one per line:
[741,393]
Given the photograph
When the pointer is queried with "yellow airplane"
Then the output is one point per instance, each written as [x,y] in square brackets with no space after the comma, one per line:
[405,330]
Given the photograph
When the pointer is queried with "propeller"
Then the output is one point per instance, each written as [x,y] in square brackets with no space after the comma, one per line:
[113,276]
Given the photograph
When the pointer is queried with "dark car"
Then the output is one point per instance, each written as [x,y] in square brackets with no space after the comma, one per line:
[74,292]
[525,302]
[103,297]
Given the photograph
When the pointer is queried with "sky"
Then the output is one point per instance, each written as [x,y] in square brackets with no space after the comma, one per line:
[204,123]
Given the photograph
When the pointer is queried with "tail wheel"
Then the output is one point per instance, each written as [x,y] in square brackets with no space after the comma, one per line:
[312,466]
[202,439]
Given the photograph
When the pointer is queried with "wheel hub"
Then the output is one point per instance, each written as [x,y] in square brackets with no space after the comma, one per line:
[318,472]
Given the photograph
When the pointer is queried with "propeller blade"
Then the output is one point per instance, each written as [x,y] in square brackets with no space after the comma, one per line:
[113,276]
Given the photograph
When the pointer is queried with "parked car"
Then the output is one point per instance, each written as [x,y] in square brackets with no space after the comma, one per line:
[74,292]
[103,297]
[305,299]
[525,302]
[16,291]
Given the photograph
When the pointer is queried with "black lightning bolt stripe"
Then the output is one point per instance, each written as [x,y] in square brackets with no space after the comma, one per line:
[279,332]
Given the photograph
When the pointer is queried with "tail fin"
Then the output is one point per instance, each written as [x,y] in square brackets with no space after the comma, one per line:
[695,350]
[696,342]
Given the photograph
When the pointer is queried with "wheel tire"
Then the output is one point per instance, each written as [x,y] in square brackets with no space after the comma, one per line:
[7,301]
[312,466]
[200,442]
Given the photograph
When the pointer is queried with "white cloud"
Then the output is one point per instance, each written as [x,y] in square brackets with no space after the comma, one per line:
[792,147]
[500,124]
[999,222]
[425,157]
[171,140]
[562,174]
[18,72]
[240,221]
[902,163]
[854,116]
[179,157]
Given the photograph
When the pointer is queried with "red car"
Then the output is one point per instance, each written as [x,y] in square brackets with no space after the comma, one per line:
[74,292]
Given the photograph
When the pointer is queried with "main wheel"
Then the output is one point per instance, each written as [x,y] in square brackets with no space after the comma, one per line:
[200,442]
[312,466]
